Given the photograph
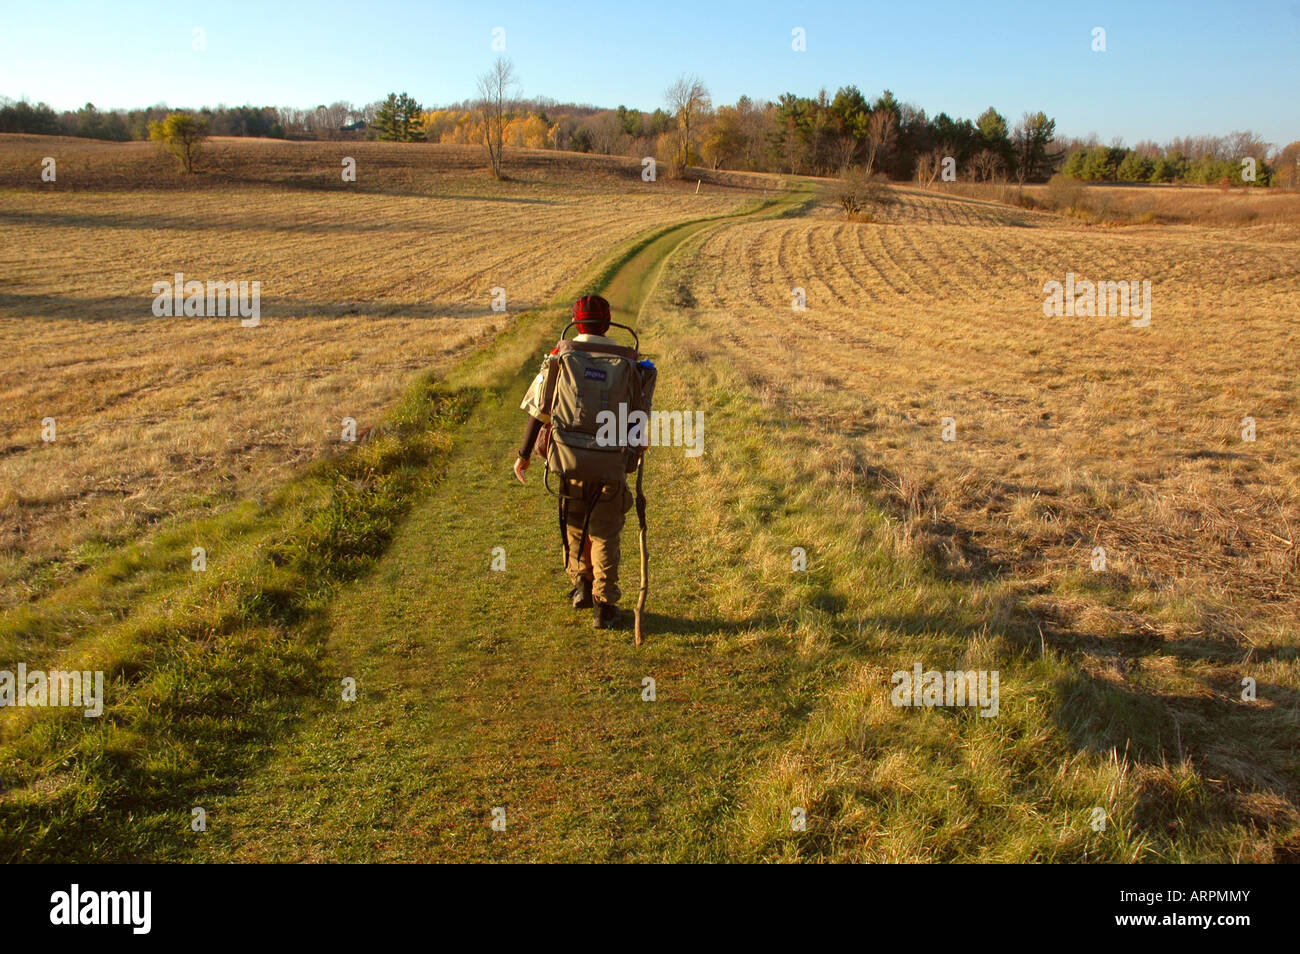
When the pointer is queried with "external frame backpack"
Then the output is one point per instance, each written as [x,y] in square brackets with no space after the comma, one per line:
[583,446]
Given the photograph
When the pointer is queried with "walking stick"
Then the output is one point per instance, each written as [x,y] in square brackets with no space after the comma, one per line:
[645,561]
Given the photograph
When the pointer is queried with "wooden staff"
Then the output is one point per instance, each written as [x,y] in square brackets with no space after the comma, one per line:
[645,557]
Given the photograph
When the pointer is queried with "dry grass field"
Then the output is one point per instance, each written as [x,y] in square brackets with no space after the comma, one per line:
[1071,433]
[1121,686]
[1267,214]
[362,286]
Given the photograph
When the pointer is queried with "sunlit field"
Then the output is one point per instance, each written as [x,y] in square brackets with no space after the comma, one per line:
[907,461]
[361,288]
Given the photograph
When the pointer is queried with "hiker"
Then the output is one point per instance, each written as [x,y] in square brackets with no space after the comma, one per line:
[579,379]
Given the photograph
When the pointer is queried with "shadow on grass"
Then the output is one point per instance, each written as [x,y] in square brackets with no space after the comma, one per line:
[668,624]
[1243,752]
[140,307]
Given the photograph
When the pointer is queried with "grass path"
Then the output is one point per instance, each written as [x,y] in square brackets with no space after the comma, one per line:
[479,688]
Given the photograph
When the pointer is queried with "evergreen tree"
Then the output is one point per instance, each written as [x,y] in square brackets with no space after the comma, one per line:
[400,119]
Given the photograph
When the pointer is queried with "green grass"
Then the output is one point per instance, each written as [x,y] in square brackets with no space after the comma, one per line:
[206,667]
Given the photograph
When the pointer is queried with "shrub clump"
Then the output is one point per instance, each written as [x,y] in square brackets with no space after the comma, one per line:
[862,196]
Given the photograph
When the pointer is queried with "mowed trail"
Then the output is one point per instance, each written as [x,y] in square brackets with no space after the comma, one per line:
[481,690]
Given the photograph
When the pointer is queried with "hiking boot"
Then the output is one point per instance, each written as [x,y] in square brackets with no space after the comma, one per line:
[581,593]
[605,615]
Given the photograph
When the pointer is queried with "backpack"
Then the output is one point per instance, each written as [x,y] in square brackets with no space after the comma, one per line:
[580,443]
[590,393]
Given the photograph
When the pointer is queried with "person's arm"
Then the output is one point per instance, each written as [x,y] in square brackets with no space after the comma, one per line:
[531,431]
[526,450]
[537,404]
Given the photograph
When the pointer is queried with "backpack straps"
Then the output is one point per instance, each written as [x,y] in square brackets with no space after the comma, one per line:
[591,347]
[589,498]
[551,368]
[645,556]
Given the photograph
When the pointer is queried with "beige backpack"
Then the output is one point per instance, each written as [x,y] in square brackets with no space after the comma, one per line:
[593,438]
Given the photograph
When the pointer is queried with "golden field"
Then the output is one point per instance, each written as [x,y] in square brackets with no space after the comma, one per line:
[1269,214]
[1071,432]
[826,426]
[162,417]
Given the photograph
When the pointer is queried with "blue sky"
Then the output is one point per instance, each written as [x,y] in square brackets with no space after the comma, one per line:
[1169,68]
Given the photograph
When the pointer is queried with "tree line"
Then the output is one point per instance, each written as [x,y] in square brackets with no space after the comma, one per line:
[804,135]
[816,135]
[1202,160]
[123,125]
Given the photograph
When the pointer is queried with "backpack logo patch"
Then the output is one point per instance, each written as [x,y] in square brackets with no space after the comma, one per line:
[595,374]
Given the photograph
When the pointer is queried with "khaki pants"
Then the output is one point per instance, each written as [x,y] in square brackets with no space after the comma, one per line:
[599,562]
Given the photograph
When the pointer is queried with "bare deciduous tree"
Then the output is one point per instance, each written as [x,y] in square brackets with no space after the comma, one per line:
[687,99]
[846,150]
[607,135]
[333,118]
[757,124]
[985,164]
[1287,163]
[496,89]
[862,196]
[881,128]
[924,169]
[929,165]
